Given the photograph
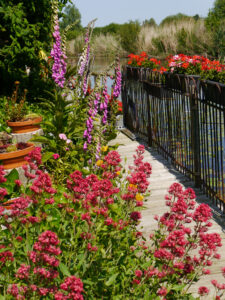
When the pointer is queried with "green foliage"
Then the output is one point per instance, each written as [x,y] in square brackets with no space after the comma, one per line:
[129,35]
[3,125]
[25,30]
[15,108]
[150,22]
[70,16]
[182,40]
[64,118]
[13,189]
[215,23]
[174,19]
[159,45]
[112,28]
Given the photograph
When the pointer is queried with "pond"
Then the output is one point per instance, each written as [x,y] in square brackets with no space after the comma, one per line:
[99,65]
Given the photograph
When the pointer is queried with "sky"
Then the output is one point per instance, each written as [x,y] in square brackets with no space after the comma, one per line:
[121,11]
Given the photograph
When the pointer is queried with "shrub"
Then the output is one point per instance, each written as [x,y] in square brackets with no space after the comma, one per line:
[129,36]
[25,31]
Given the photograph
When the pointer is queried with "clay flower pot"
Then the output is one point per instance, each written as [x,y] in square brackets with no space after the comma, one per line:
[15,159]
[25,126]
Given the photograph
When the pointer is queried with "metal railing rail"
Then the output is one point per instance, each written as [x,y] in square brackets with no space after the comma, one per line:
[183,118]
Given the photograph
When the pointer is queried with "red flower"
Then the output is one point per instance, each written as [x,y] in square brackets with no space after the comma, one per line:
[203,290]
[135,215]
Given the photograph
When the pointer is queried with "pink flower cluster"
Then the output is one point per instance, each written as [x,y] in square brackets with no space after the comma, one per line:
[72,289]
[19,206]
[3,191]
[38,277]
[5,255]
[42,183]
[138,182]
[90,189]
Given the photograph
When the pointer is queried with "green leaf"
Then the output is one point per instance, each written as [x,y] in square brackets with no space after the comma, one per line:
[63,268]
[12,176]
[111,279]
[47,156]
[40,139]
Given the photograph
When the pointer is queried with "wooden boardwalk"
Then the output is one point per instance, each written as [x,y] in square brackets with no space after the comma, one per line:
[163,175]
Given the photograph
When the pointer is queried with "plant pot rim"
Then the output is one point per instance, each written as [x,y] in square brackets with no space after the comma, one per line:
[17,153]
[24,123]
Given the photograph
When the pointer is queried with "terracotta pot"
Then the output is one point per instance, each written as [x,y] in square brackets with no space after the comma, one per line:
[25,126]
[15,159]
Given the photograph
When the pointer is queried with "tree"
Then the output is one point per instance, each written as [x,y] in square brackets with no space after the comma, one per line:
[129,35]
[71,15]
[174,19]
[150,22]
[215,23]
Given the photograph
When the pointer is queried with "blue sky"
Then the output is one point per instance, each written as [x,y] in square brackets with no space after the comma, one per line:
[121,11]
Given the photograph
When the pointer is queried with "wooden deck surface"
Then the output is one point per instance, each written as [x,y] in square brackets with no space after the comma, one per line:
[163,175]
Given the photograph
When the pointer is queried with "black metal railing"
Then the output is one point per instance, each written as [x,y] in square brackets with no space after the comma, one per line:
[183,117]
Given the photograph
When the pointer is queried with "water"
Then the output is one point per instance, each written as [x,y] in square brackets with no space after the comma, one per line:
[100,65]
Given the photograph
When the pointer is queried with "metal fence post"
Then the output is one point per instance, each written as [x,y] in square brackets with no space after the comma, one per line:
[195,135]
[149,122]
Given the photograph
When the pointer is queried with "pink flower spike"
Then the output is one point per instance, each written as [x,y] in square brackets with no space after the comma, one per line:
[56,156]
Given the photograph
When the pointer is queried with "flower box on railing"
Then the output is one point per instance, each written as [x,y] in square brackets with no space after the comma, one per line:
[133,73]
[154,89]
[213,91]
[144,74]
[181,82]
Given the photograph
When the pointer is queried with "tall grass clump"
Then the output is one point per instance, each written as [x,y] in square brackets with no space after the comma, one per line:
[106,45]
[75,46]
[181,35]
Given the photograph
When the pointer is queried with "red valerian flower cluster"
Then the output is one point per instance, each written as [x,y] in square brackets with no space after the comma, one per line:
[72,289]
[5,255]
[181,248]
[144,61]
[138,180]
[38,277]
[184,249]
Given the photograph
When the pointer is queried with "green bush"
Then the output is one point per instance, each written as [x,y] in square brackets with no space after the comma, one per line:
[25,30]
[129,35]
[215,23]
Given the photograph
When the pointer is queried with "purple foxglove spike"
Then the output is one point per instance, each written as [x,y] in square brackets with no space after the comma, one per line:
[85,146]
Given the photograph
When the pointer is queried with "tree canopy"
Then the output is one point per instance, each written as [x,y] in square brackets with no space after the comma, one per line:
[216,24]
[71,15]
